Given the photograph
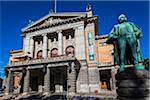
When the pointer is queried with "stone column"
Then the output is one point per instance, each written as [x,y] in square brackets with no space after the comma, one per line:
[47,81]
[26,82]
[71,78]
[45,43]
[60,43]
[31,47]
[9,83]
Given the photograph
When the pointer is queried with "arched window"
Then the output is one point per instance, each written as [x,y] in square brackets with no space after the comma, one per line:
[39,54]
[70,51]
[54,52]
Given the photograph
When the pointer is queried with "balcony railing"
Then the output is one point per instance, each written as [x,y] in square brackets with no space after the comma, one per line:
[42,61]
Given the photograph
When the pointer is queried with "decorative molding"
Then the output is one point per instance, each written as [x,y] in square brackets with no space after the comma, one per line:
[54,29]
[41,61]
[54,22]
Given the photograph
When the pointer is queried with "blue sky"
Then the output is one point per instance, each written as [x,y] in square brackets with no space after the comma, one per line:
[15,15]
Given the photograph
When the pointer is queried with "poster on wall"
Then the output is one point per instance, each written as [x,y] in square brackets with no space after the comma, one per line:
[90,46]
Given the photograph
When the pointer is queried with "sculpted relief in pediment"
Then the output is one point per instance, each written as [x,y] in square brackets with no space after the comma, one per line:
[52,21]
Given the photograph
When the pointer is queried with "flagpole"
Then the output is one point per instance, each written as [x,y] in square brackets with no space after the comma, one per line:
[55,5]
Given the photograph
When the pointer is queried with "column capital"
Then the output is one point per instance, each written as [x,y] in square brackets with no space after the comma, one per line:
[75,28]
[59,31]
[44,34]
[31,37]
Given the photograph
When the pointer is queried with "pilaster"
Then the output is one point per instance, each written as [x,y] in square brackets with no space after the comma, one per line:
[93,75]
[47,81]
[26,81]
[8,83]
[113,78]
[82,81]
[26,45]
[80,42]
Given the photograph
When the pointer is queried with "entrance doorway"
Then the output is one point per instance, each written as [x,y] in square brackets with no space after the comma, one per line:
[105,79]
[58,78]
[34,83]
[36,80]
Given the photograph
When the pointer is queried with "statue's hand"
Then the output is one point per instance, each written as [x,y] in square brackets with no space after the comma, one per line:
[110,39]
[138,35]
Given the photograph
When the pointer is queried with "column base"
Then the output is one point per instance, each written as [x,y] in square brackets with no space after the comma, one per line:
[94,88]
[46,93]
[25,93]
[40,88]
[6,93]
[58,88]
[71,94]
[84,88]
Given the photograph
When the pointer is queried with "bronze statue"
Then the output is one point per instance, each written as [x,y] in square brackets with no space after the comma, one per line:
[126,35]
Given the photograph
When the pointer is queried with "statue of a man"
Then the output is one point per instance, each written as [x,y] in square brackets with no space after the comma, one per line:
[126,34]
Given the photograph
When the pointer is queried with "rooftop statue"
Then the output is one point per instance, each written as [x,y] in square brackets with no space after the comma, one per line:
[126,37]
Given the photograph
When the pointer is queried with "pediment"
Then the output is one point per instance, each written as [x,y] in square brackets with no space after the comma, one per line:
[53,18]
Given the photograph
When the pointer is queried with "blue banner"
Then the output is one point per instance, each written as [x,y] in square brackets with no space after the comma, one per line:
[90,46]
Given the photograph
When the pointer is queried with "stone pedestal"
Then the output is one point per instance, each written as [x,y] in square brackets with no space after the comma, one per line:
[58,88]
[133,84]
[40,88]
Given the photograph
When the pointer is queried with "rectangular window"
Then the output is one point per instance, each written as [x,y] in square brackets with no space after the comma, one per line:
[67,37]
[38,42]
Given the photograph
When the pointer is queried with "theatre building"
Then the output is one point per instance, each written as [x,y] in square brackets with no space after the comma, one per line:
[62,52]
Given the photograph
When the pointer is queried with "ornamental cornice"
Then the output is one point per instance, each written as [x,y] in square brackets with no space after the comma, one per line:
[54,29]
[52,23]
[26,63]
[92,19]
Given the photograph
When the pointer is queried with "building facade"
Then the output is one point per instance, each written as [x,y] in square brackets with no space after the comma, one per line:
[62,52]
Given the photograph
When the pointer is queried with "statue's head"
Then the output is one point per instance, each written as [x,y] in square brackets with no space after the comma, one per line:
[122,18]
